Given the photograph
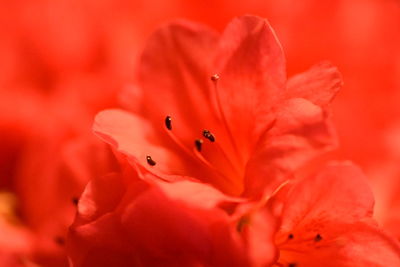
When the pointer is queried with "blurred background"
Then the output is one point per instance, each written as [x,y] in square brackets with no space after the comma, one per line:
[62,61]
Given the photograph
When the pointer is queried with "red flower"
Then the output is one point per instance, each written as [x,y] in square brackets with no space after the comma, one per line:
[244,130]
[326,220]
[125,221]
[48,156]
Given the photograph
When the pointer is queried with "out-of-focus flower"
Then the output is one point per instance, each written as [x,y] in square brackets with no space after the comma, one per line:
[59,69]
[15,240]
[48,156]
[219,109]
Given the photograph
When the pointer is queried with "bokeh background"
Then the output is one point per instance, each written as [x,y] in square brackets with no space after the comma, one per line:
[62,61]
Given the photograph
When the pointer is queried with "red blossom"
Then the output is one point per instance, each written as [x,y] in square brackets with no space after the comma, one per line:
[126,221]
[260,126]
[61,61]
[326,220]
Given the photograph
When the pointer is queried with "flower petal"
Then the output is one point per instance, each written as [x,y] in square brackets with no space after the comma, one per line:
[339,194]
[319,84]
[96,236]
[174,76]
[327,220]
[93,203]
[135,138]
[195,194]
[251,66]
[99,243]
[259,235]
[300,131]
[154,224]
[361,245]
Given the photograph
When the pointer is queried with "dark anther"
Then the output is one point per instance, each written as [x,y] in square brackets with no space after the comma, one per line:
[215,77]
[317,238]
[292,264]
[198,143]
[207,134]
[59,240]
[241,224]
[290,236]
[75,201]
[150,161]
[168,122]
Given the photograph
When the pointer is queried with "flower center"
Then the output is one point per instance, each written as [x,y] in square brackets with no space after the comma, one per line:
[214,150]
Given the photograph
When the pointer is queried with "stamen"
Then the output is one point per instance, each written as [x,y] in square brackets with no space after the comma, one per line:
[198,143]
[318,238]
[208,164]
[245,220]
[150,161]
[230,162]
[192,153]
[292,264]
[215,77]
[168,122]
[207,134]
[299,239]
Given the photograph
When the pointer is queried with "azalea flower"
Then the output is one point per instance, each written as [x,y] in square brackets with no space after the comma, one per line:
[219,109]
[49,153]
[43,54]
[253,130]
[326,220]
[128,221]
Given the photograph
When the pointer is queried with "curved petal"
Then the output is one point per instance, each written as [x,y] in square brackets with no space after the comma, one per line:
[96,237]
[260,233]
[155,225]
[319,84]
[196,194]
[251,66]
[136,138]
[361,245]
[174,76]
[326,221]
[93,203]
[99,243]
[339,194]
[163,224]
[300,132]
